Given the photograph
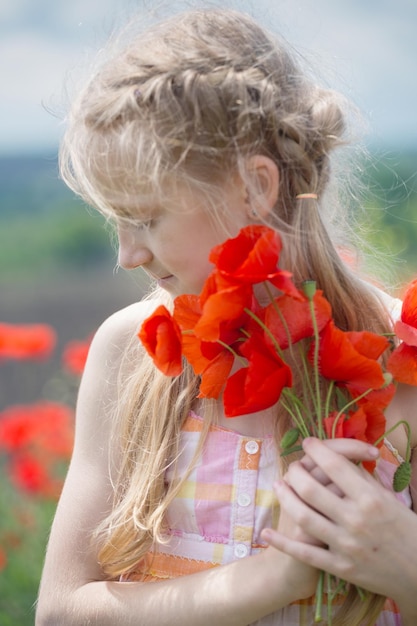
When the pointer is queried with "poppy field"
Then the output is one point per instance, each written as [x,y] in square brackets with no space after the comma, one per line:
[40,369]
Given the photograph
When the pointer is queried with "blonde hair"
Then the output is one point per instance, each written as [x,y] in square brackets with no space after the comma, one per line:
[188,102]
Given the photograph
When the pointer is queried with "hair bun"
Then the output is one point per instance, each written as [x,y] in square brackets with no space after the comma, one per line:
[328,121]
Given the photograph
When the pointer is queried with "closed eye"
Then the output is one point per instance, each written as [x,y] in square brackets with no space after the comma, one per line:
[146,224]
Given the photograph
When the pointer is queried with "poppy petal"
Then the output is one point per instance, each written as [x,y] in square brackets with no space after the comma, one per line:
[406,333]
[214,376]
[340,361]
[251,256]
[297,315]
[409,306]
[402,364]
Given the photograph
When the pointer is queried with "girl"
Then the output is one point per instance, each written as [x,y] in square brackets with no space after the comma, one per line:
[199,127]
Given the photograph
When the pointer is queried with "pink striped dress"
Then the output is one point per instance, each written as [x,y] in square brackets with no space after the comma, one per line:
[227,500]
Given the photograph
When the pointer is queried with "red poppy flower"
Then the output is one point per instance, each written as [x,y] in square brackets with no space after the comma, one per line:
[161,336]
[350,358]
[402,362]
[34,341]
[74,356]
[297,316]
[381,398]
[252,257]
[367,424]
[209,359]
[222,308]
[259,385]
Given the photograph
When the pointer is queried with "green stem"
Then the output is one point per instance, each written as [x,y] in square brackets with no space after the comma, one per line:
[280,315]
[296,414]
[408,429]
[235,354]
[316,370]
[306,381]
[329,397]
[319,598]
[267,331]
[347,406]
[329,600]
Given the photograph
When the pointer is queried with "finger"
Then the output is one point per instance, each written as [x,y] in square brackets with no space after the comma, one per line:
[313,524]
[352,449]
[315,555]
[328,502]
[318,474]
[339,469]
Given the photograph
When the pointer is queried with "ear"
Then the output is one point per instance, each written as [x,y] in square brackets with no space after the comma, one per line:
[263,186]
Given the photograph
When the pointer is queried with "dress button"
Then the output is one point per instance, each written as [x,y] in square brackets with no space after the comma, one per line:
[241,551]
[243,499]
[252,447]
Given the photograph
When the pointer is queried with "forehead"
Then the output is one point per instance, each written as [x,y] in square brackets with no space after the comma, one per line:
[141,204]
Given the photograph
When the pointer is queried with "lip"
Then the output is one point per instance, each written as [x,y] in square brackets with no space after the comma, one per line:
[158,278]
[164,279]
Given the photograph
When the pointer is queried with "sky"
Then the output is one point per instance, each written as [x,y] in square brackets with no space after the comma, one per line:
[365,48]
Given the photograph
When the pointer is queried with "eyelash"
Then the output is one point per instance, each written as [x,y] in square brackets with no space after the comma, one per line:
[147,224]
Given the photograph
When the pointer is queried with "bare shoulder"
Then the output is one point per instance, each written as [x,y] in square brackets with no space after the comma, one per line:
[117,331]
[107,365]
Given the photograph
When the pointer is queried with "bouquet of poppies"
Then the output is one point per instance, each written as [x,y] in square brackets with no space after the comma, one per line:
[251,312]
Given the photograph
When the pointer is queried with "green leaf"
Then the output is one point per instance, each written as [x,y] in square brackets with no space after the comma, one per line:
[291,450]
[290,438]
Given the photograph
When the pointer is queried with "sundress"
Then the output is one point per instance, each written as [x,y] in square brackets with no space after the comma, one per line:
[221,509]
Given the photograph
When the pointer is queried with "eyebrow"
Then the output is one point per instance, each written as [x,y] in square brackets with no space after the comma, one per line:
[141,213]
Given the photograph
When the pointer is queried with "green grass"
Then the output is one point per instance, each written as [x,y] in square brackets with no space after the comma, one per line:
[65,238]
[24,527]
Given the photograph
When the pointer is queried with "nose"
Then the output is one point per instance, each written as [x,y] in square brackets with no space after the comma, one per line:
[133,251]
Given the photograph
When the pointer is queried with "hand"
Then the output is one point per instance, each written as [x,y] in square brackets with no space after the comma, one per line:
[362,533]
[306,577]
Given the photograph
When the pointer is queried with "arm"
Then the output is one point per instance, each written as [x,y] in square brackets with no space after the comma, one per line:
[367,536]
[73,588]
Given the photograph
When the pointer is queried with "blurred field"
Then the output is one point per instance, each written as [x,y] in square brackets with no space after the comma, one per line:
[74,303]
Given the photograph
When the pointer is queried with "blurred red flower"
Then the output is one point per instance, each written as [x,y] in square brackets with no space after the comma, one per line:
[34,341]
[37,439]
[74,356]
[29,474]
[3,559]
[46,425]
